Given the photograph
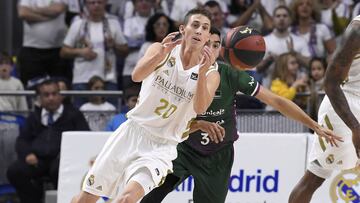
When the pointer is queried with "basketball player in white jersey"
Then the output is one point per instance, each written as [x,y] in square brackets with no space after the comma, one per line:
[340,111]
[178,82]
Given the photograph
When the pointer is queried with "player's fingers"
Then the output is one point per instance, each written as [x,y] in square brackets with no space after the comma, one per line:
[216,139]
[176,42]
[222,131]
[212,134]
[333,139]
[219,133]
[208,52]
[169,37]
[207,57]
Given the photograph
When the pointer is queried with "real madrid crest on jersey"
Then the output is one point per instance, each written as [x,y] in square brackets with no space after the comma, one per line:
[90,181]
[171,62]
[345,187]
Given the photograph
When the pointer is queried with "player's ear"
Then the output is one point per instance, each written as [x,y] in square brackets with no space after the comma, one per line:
[181,29]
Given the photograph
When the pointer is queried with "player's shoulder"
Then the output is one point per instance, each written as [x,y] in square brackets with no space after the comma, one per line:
[112,18]
[225,67]
[77,21]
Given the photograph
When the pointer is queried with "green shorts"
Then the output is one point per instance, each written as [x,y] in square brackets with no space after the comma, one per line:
[211,173]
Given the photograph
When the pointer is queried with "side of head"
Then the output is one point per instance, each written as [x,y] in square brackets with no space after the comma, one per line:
[158,26]
[196,27]
[49,94]
[131,95]
[96,8]
[96,83]
[6,65]
[143,7]
[217,13]
[282,17]
[214,42]
[64,83]
[282,66]
[317,68]
[305,9]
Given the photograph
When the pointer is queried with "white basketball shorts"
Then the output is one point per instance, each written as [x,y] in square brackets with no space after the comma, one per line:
[325,158]
[130,153]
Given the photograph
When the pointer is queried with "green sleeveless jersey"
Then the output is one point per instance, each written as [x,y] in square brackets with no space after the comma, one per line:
[222,109]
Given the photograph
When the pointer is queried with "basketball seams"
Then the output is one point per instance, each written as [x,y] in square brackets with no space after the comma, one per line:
[243,47]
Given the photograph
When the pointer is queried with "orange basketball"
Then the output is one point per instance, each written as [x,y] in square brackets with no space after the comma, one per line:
[243,47]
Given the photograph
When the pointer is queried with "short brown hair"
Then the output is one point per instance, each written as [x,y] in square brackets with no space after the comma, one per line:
[195,11]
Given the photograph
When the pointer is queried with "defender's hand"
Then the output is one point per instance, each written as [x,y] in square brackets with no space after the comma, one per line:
[214,130]
[329,135]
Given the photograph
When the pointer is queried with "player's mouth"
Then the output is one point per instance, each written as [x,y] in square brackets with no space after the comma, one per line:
[196,39]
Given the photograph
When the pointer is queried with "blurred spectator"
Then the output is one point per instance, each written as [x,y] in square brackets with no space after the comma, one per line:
[286,79]
[64,85]
[270,5]
[218,16]
[251,13]
[74,8]
[118,8]
[306,24]
[317,73]
[92,41]
[38,145]
[280,41]
[130,98]
[97,103]
[156,29]
[9,83]
[157,6]
[134,31]
[181,7]
[44,32]
[335,15]
[356,10]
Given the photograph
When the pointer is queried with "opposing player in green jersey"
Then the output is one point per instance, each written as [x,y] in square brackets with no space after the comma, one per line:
[208,153]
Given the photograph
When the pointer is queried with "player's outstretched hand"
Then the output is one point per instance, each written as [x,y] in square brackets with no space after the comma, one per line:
[207,60]
[215,131]
[329,135]
[170,41]
[356,141]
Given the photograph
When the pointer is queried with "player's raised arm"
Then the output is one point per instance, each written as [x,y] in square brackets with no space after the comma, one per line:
[207,84]
[337,72]
[291,110]
[154,55]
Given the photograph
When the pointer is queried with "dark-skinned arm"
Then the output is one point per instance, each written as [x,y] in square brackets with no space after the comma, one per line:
[337,72]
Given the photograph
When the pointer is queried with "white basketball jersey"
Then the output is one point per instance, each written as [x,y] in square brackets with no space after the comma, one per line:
[165,104]
[352,83]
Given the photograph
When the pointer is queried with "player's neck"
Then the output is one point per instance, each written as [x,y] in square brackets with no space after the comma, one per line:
[305,22]
[281,33]
[189,57]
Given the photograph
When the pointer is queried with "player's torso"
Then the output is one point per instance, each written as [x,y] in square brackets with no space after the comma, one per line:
[165,104]
[352,82]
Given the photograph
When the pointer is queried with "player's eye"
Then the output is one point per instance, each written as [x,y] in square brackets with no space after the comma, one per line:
[205,27]
[195,25]
[216,45]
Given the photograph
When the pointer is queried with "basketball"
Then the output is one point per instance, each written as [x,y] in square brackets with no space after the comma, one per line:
[243,47]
